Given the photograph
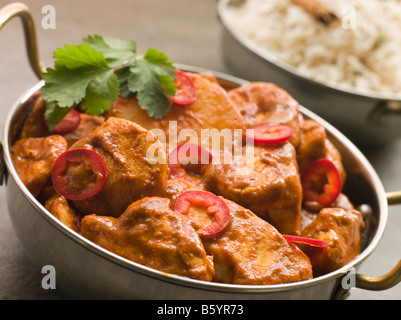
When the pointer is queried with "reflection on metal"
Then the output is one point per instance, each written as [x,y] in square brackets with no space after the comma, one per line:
[2,166]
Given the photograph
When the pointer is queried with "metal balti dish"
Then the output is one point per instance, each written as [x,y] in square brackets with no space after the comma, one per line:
[367,118]
[85,270]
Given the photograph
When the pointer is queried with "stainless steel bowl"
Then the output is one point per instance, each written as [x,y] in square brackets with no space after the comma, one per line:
[85,270]
[367,118]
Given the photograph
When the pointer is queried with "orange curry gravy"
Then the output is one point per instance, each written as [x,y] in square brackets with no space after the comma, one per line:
[133,214]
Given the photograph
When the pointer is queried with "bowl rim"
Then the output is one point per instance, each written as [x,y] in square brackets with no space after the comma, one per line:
[265,56]
[184,281]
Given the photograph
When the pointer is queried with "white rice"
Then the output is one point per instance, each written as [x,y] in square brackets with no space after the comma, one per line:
[363,52]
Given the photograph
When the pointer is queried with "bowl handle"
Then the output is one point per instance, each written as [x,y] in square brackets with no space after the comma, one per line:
[391,278]
[17,9]
[373,283]
[394,197]
[376,283]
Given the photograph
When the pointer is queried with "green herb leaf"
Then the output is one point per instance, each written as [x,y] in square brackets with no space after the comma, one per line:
[76,67]
[65,87]
[123,75]
[106,84]
[152,78]
[102,91]
[76,57]
[94,73]
[116,51]
[94,103]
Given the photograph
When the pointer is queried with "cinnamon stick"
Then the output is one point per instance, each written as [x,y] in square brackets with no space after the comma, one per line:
[319,11]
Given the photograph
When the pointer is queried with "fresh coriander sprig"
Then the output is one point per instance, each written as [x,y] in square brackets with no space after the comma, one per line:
[94,73]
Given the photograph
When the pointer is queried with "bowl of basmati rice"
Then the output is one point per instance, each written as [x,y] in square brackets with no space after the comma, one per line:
[348,71]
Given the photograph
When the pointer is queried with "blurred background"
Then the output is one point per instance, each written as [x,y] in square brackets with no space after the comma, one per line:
[189,32]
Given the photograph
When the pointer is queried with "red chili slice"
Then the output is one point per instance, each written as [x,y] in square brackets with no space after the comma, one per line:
[79,174]
[194,154]
[309,241]
[215,206]
[266,135]
[185,93]
[321,182]
[69,123]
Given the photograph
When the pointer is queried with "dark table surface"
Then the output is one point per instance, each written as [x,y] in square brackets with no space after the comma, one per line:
[189,31]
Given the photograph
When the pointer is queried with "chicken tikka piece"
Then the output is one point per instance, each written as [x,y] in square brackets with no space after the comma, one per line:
[212,109]
[123,146]
[34,158]
[264,180]
[59,206]
[150,233]
[314,145]
[342,229]
[35,124]
[264,103]
[250,250]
